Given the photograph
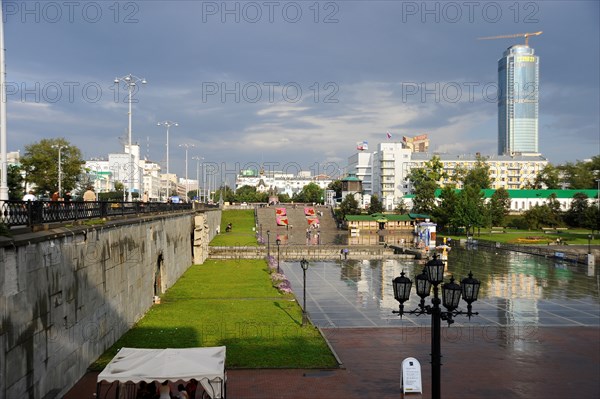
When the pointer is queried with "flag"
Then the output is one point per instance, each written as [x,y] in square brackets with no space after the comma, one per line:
[389,135]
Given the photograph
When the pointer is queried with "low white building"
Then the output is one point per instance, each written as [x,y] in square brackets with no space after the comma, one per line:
[283,183]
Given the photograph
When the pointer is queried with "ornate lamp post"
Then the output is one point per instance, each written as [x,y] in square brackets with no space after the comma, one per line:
[278,242]
[433,275]
[167,124]
[268,243]
[304,265]
[130,82]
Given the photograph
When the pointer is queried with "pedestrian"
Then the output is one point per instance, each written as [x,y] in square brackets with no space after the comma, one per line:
[182,392]
[164,390]
[67,197]
[55,196]
[145,197]
[89,194]
[30,196]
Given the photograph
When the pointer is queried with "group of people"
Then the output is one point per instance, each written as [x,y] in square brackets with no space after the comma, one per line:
[88,195]
[163,391]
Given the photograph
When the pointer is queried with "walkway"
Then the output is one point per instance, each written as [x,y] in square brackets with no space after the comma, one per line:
[544,363]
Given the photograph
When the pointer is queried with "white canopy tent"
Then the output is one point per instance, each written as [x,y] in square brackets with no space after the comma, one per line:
[207,365]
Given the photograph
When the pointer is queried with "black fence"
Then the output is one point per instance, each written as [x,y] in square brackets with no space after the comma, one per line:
[31,213]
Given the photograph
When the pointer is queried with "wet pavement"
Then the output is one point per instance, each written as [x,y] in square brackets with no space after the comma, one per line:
[537,334]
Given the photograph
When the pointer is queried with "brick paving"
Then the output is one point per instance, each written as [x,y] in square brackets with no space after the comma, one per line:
[544,363]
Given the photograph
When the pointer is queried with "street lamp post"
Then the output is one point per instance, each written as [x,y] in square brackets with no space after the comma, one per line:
[304,265]
[268,243]
[3,134]
[433,274]
[59,147]
[198,159]
[130,81]
[167,124]
[187,184]
[278,242]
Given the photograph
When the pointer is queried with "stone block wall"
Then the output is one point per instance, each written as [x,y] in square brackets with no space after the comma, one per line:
[68,294]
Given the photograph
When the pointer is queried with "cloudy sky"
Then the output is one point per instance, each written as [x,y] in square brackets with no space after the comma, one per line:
[293,82]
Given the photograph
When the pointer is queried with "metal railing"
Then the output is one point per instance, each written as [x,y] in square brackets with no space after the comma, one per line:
[31,213]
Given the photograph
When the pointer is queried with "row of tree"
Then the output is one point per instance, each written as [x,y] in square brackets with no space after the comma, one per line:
[467,209]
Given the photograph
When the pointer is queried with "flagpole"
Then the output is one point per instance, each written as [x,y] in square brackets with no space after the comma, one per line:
[3,148]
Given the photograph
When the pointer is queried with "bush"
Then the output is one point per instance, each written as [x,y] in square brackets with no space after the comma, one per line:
[519,223]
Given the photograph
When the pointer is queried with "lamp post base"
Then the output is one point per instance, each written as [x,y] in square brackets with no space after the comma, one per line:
[304,318]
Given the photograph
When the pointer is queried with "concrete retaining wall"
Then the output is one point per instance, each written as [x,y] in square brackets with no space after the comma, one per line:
[296,252]
[68,294]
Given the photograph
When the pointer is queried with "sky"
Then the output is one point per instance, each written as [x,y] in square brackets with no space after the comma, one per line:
[292,84]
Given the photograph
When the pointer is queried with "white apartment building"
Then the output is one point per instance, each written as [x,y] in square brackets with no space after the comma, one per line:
[145,177]
[385,172]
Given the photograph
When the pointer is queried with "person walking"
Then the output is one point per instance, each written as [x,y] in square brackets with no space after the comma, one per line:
[30,196]
[89,195]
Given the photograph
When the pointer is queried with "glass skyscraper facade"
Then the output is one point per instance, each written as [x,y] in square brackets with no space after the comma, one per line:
[518,95]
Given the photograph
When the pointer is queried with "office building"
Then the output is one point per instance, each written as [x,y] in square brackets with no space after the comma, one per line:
[518,97]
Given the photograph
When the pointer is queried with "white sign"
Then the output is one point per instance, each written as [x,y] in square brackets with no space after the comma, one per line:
[410,379]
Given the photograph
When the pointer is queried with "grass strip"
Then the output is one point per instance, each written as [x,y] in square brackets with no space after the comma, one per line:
[230,303]
[242,233]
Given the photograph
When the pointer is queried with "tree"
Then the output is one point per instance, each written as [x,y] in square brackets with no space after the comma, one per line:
[478,175]
[245,194]
[349,206]
[499,207]
[310,193]
[447,208]
[40,163]
[336,186]
[547,178]
[546,215]
[425,181]
[401,207]
[284,198]
[578,212]
[469,211]
[375,205]
[424,199]
[14,182]
[224,193]
[579,175]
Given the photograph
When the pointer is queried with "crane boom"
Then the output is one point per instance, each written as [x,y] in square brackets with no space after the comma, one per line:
[525,35]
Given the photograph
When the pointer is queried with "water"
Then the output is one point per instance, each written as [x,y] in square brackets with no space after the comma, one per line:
[516,289]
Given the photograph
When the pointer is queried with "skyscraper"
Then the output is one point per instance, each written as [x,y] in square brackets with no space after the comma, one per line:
[518,86]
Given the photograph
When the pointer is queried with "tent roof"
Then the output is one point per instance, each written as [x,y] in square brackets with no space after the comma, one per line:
[136,365]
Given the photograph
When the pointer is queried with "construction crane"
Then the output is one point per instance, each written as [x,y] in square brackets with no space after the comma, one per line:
[525,35]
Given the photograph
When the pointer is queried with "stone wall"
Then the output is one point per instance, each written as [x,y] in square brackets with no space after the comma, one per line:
[68,294]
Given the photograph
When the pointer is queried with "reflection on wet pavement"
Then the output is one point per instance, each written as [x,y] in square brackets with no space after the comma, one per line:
[516,290]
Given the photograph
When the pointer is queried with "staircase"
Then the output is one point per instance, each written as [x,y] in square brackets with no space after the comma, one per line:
[295,232]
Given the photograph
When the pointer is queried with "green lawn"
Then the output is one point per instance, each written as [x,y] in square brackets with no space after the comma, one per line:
[242,233]
[535,237]
[230,303]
